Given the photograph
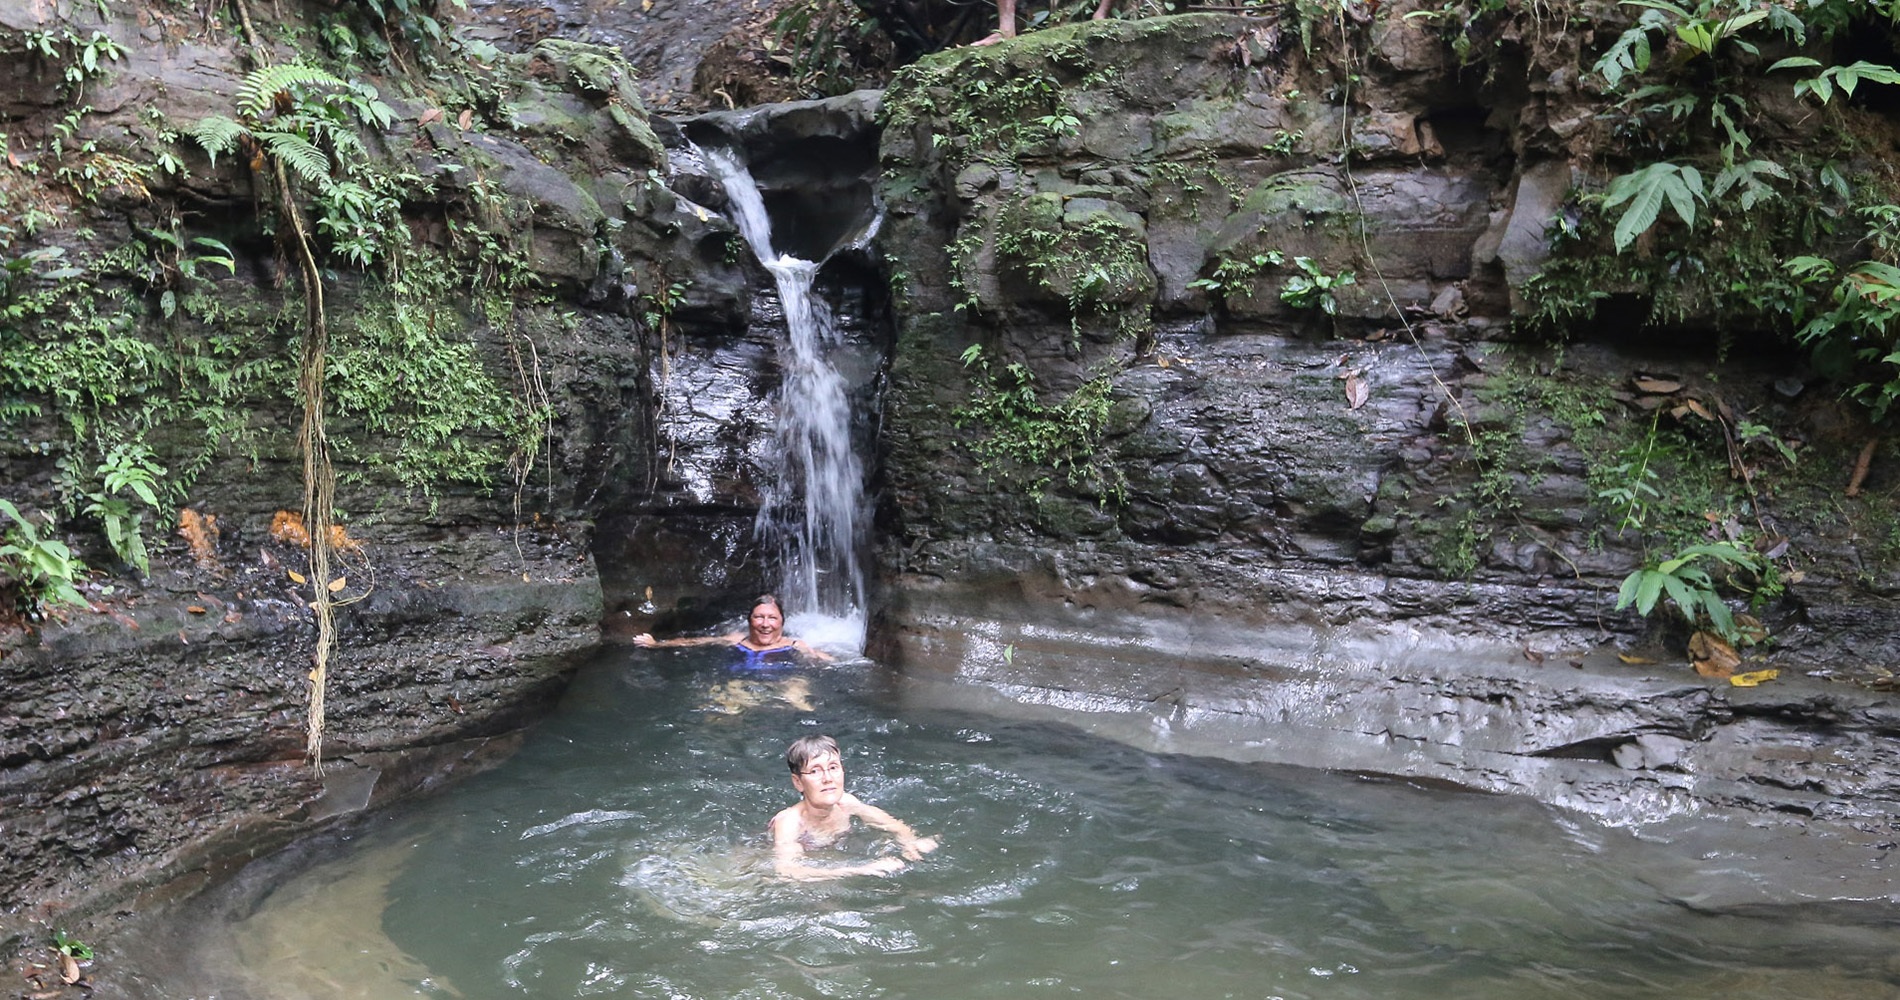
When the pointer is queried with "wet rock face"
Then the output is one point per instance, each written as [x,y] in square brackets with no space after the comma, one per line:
[1180,428]
[147,738]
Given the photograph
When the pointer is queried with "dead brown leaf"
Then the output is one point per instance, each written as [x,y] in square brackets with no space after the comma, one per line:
[1357,391]
[339,583]
[233,616]
[1712,655]
[1698,409]
[1533,655]
[68,969]
[1644,383]
[196,609]
[467,116]
[1627,658]
[431,115]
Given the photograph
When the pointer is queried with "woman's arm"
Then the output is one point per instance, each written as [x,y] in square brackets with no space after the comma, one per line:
[788,857]
[813,651]
[646,639]
[911,845]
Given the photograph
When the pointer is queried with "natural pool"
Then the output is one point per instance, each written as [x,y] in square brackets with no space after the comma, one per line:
[622,853]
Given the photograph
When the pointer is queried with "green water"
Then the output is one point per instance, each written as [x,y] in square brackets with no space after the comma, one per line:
[622,854]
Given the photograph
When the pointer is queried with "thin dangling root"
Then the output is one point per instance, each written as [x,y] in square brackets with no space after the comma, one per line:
[319,476]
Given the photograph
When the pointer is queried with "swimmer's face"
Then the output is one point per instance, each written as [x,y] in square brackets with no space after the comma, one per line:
[767,624]
[822,780]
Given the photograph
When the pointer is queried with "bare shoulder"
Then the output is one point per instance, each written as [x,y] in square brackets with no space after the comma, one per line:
[785,825]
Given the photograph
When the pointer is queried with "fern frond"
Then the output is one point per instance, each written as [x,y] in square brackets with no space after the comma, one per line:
[303,158]
[262,85]
[217,134]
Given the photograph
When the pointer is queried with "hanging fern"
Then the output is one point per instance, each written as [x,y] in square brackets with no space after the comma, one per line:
[217,134]
[300,155]
[261,87]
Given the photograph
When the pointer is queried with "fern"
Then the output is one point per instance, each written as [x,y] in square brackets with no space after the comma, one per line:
[297,153]
[217,134]
[261,87]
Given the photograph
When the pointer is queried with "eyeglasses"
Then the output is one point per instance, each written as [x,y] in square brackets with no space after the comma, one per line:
[822,769]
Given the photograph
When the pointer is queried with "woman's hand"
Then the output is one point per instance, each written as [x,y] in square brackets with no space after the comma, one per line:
[645,639]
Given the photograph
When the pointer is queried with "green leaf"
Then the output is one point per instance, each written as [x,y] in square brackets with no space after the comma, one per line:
[1719,614]
[300,155]
[1646,191]
[1679,592]
[1627,593]
[217,134]
[1794,62]
[1648,590]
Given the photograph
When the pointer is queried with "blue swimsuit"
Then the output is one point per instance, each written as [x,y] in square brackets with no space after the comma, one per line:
[764,659]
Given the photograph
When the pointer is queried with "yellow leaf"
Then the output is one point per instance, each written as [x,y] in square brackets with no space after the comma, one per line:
[295,577]
[196,609]
[1753,677]
[1626,658]
[338,583]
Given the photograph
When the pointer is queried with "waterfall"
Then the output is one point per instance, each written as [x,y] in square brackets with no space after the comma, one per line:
[811,516]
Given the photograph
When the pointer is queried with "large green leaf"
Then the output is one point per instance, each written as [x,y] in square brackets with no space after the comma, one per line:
[1646,191]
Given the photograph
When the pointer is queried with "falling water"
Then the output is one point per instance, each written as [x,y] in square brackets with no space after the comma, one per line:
[811,515]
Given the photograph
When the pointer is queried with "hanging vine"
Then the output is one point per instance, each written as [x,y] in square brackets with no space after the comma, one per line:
[319,477]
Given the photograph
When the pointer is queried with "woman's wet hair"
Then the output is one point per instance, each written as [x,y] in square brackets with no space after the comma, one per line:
[763,600]
[806,749]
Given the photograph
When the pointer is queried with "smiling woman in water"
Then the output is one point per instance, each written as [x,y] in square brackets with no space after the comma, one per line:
[763,643]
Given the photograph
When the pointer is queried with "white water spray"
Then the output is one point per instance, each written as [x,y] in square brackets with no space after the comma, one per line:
[812,515]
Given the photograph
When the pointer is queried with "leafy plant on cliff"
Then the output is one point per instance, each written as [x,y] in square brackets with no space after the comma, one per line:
[43,568]
[1023,432]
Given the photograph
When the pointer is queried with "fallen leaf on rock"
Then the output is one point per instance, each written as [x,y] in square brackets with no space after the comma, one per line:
[1357,391]
[68,968]
[295,577]
[339,583]
[1713,656]
[1697,408]
[233,616]
[196,609]
[124,619]
[455,706]
[1644,383]
[1627,658]
[467,116]
[1796,577]
[48,995]
[1577,663]
[181,637]
[1753,677]
[431,115]
[1533,655]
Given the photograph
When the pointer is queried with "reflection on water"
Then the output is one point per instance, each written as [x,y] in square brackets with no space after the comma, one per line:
[622,853]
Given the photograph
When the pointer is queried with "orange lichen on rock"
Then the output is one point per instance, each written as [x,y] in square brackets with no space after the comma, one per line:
[287,527]
[200,532]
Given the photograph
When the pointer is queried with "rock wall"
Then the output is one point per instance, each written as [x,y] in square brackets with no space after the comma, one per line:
[1145,450]
[157,730]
